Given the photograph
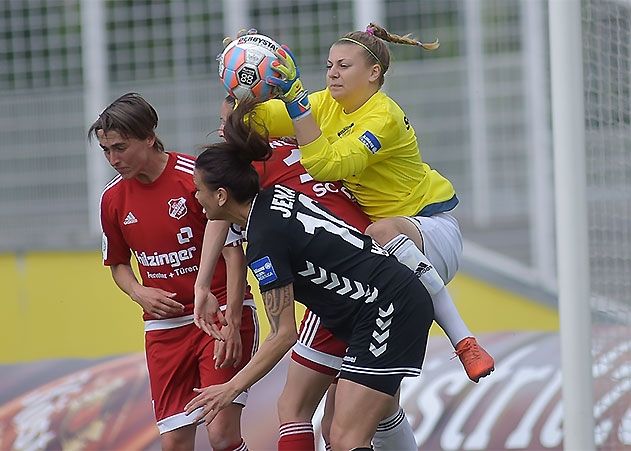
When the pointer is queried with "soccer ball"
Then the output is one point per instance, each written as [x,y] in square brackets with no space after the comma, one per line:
[245,64]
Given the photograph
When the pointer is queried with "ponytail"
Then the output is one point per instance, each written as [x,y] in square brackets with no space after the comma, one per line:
[246,134]
[383,34]
[228,164]
[373,40]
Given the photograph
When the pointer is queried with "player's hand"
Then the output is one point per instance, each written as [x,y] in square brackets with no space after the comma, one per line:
[211,399]
[242,32]
[156,302]
[288,83]
[206,313]
[229,352]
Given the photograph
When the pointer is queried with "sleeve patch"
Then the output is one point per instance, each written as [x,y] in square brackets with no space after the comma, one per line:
[235,236]
[264,270]
[370,141]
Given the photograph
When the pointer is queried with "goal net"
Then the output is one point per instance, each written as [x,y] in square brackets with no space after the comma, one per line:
[607,83]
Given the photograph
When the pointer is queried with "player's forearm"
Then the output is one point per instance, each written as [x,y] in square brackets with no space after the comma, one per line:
[273,115]
[125,278]
[235,283]
[214,239]
[306,129]
[279,307]
[328,162]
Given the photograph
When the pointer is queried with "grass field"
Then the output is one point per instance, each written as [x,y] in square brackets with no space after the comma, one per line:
[59,305]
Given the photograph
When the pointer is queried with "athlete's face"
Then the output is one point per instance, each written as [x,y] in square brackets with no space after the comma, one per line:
[209,199]
[128,156]
[349,76]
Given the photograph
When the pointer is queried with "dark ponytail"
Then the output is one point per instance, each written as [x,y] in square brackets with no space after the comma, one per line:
[229,164]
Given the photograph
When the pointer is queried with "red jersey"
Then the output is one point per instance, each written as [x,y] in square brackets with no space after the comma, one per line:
[163,225]
[284,168]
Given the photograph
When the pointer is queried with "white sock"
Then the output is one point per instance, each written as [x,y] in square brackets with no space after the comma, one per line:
[394,433]
[445,312]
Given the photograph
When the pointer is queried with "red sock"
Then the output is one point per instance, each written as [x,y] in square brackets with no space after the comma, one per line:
[296,437]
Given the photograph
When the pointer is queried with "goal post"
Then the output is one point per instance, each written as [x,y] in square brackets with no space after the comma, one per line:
[566,65]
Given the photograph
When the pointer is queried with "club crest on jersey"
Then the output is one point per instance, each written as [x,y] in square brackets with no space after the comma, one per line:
[370,141]
[264,270]
[177,208]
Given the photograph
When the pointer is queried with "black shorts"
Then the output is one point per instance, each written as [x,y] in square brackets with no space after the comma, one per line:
[389,339]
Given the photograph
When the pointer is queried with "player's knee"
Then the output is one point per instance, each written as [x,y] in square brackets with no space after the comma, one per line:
[336,438]
[325,425]
[340,438]
[220,440]
[384,230]
[179,439]
[225,429]
[286,408]
[293,408]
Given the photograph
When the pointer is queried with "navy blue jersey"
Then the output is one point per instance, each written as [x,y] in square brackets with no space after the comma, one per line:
[334,268]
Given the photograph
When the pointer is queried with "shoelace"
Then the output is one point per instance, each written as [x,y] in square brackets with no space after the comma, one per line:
[475,350]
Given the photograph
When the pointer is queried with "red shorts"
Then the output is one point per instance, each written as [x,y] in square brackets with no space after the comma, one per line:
[317,348]
[181,359]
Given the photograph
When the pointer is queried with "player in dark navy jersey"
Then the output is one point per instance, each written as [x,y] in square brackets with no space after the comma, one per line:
[297,247]
[316,358]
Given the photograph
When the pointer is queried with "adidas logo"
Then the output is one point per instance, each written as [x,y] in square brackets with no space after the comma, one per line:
[130,219]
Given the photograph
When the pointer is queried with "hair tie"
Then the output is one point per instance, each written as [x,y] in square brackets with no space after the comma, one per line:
[370,30]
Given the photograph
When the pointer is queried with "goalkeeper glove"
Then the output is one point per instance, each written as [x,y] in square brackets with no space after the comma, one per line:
[292,92]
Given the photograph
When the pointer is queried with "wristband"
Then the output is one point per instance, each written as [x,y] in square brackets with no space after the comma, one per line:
[299,107]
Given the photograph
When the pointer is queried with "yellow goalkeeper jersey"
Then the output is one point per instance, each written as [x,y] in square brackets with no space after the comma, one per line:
[373,150]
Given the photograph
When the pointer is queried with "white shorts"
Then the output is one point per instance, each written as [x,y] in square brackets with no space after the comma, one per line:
[442,242]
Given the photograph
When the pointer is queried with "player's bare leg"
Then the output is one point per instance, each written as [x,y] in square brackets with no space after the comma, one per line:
[180,439]
[391,234]
[393,431]
[297,404]
[327,416]
[224,432]
[358,411]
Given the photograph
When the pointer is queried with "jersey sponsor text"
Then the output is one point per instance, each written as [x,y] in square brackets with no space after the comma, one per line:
[174,258]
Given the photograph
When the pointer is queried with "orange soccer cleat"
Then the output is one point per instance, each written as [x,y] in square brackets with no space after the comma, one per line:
[476,361]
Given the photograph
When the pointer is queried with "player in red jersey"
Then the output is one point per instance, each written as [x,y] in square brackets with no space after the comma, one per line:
[149,210]
[317,355]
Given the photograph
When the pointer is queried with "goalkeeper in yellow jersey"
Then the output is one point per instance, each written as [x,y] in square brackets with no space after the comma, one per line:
[354,132]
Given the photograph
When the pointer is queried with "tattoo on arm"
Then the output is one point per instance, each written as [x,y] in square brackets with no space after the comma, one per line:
[276,301]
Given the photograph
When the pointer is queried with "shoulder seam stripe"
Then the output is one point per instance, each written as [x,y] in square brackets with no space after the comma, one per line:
[185,161]
[185,164]
[112,182]
[183,169]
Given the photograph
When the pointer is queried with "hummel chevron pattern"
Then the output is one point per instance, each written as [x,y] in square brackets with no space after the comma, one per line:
[352,288]
[382,331]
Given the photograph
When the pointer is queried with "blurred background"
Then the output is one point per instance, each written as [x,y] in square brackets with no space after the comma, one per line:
[481,108]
